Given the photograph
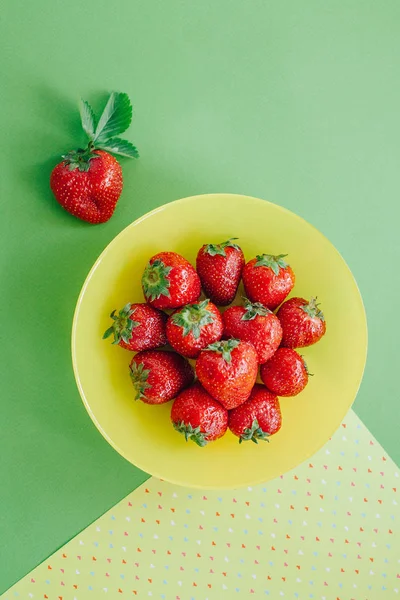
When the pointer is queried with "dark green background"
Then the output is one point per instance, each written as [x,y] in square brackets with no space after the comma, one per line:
[294,102]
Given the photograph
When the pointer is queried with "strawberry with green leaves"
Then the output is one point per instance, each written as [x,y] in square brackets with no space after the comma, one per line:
[303,323]
[159,375]
[228,371]
[256,324]
[138,327]
[268,279]
[170,281]
[220,268]
[193,327]
[286,373]
[88,181]
[258,418]
[197,416]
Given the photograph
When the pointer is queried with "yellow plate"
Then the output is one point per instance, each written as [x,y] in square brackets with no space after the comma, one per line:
[142,433]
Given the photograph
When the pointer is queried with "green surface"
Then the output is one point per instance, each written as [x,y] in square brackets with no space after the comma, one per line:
[293,102]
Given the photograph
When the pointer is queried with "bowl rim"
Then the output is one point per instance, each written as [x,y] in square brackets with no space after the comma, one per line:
[185,200]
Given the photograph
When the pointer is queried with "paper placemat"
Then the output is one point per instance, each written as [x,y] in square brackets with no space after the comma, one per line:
[326,530]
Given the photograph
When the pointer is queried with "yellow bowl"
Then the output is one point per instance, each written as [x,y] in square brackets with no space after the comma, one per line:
[142,433]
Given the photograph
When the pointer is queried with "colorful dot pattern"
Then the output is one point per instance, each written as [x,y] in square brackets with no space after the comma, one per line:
[326,531]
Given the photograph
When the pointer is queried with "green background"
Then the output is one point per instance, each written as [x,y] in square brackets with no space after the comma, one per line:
[294,102]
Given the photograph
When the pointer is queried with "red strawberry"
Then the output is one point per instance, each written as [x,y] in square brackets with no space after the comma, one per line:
[258,417]
[158,376]
[90,194]
[170,281]
[198,416]
[88,182]
[268,279]
[193,327]
[255,324]
[285,374]
[228,371]
[220,267]
[138,327]
[303,323]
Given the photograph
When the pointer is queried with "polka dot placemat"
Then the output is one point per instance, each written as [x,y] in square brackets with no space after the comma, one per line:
[325,531]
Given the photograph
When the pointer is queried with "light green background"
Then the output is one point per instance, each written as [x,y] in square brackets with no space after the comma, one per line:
[295,102]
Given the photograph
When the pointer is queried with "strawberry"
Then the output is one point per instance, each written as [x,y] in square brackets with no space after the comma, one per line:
[268,279]
[258,417]
[170,281]
[91,194]
[303,323]
[286,373]
[255,324]
[159,375]
[193,327]
[88,182]
[138,327]
[220,268]
[228,371]
[198,416]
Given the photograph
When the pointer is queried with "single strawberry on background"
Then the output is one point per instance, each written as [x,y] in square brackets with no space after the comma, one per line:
[193,327]
[88,182]
[198,416]
[268,279]
[256,324]
[303,323]
[138,327]
[170,281]
[159,375]
[220,269]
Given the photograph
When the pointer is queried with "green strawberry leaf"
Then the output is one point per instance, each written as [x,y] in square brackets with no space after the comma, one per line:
[123,325]
[139,376]
[191,433]
[254,433]
[276,263]
[224,347]
[214,249]
[155,280]
[312,309]
[193,317]
[88,118]
[80,159]
[109,332]
[119,147]
[116,117]
[254,309]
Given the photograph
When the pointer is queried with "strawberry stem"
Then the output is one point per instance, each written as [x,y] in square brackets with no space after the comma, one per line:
[253,309]
[80,159]
[224,347]
[276,263]
[191,433]
[312,310]
[214,249]
[254,433]
[155,280]
[123,325]
[139,376]
[193,317]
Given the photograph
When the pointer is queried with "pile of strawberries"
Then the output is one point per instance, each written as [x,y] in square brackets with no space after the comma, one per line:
[228,347]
